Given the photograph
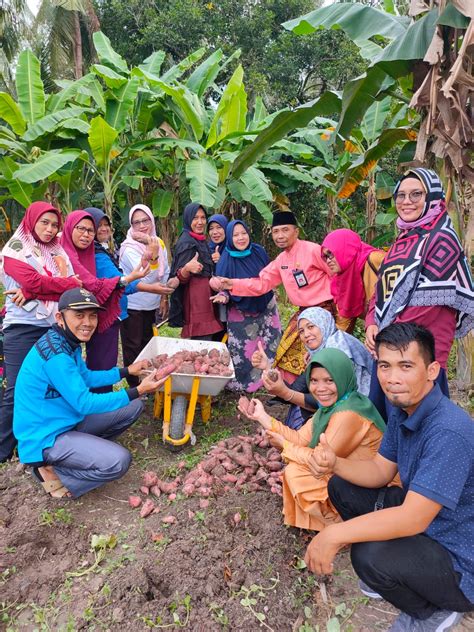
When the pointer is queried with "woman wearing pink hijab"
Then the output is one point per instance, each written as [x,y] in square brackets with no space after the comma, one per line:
[77,239]
[354,265]
[36,271]
[143,245]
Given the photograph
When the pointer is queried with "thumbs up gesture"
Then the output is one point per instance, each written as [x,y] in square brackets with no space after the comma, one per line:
[260,359]
[323,459]
[193,266]
[216,255]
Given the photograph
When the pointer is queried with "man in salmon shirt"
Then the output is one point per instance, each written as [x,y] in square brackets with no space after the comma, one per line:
[305,277]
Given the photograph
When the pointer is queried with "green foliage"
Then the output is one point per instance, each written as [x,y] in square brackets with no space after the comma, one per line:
[284,69]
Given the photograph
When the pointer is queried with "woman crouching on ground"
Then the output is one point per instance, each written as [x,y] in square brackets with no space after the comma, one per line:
[345,419]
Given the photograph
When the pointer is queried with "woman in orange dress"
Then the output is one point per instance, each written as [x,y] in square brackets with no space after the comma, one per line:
[350,422]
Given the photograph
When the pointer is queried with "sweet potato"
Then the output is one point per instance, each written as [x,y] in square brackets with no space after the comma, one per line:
[148,507]
[168,519]
[229,466]
[261,474]
[150,479]
[240,459]
[188,489]
[273,375]
[253,486]
[274,466]
[237,518]
[168,488]
[144,490]
[172,497]
[209,464]
[229,478]
[218,471]
[156,491]
[172,283]
[166,370]
[274,457]
[134,501]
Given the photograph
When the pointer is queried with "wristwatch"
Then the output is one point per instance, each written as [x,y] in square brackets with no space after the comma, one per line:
[123,281]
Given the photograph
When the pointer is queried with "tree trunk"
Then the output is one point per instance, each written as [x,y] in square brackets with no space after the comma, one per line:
[465,355]
[371,208]
[332,210]
[77,46]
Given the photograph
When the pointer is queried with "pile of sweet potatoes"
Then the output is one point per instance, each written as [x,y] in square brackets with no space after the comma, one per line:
[205,362]
[232,463]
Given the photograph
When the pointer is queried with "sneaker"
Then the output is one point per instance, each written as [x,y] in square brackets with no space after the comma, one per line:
[368,591]
[403,623]
[439,621]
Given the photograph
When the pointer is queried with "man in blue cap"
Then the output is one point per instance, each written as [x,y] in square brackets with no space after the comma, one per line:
[64,430]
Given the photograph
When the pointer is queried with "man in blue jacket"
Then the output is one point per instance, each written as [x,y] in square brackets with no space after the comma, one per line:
[64,430]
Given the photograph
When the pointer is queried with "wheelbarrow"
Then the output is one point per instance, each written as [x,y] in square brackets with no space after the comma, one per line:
[177,399]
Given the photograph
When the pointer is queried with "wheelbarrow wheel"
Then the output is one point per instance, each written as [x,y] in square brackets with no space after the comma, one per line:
[178,421]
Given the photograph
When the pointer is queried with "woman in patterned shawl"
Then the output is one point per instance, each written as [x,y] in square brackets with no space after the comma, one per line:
[425,277]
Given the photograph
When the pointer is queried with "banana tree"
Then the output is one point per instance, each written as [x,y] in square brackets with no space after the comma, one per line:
[425,59]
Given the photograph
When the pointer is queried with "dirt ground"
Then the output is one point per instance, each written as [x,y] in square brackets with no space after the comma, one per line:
[202,573]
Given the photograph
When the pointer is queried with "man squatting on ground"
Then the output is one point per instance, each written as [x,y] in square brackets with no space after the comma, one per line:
[65,431]
[417,551]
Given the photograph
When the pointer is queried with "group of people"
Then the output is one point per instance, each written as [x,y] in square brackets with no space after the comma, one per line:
[370,428]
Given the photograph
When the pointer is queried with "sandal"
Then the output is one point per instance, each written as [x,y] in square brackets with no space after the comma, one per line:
[50,486]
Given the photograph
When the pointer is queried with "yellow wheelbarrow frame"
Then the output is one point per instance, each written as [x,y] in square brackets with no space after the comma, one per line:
[163,402]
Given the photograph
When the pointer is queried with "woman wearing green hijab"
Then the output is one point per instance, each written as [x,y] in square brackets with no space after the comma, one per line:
[351,424]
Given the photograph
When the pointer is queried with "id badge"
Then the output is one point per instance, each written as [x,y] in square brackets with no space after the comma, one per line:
[300,278]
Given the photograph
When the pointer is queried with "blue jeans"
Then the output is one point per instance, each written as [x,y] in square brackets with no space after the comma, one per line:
[17,342]
[86,458]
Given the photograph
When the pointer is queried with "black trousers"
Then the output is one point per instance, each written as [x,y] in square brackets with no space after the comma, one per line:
[415,574]
[17,341]
[136,331]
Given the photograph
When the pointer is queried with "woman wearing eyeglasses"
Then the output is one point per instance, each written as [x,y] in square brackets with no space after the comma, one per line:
[36,271]
[354,265]
[77,239]
[425,277]
[143,246]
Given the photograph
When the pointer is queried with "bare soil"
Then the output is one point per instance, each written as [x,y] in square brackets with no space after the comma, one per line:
[203,573]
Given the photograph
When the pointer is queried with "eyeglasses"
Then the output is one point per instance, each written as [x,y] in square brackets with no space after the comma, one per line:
[328,255]
[139,222]
[414,196]
[84,230]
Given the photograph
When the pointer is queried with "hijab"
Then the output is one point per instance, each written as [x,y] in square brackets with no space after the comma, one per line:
[426,266]
[132,242]
[341,370]
[351,254]
[434,200]
[50,258]
[223,222]
[243,264]
[97,216]
[334,338]
[83,263]
[31,245]
[189,243]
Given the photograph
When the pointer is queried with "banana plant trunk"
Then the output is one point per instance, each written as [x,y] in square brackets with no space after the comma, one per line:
[78,71]
[465,350]
[371,208]
[332,210]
